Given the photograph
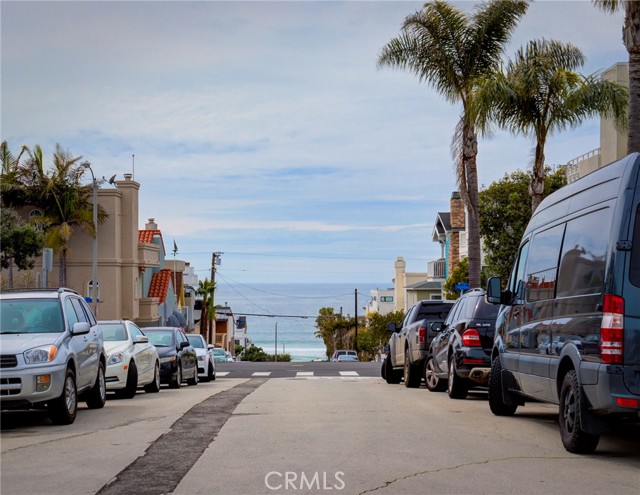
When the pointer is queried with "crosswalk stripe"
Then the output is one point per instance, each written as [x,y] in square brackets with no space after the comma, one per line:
[304,373]
[222,373]
[261,373]
[349,373]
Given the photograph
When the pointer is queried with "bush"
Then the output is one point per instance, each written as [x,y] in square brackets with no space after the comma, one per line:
[257,354]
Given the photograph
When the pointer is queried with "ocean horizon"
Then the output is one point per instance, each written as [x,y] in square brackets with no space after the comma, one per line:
[294,307]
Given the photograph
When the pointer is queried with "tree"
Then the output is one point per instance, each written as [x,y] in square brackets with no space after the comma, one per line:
[450,50]
[11,187]
[460,274]
[540,93]
[206,289]
[631,40]
[336,331]
[20,243]
[375,335]
[504,216]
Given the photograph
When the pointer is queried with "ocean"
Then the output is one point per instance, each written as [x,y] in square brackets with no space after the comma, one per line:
[294,307]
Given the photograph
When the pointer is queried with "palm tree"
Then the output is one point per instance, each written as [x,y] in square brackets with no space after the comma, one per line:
[205,289]
[450,50]
[539,93]
[11,187]
[631,40]
[63,199]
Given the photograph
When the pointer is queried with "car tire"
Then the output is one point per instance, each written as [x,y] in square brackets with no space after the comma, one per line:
[154,386]
[391,376]
[434,384]
[383,369]
[574,439]
[210,373]
[496,399]
[457,387]
[176,382]
[194,380]
[63,410]
[129,391]
[97,396]
[411,378]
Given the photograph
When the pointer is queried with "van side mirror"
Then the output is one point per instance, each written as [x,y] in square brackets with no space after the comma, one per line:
[494,290]
[437,326]
[392,327]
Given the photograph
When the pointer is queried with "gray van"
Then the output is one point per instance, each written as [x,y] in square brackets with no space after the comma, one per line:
[568,331]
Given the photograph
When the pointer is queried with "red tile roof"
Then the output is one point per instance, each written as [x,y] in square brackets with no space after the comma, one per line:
[146,237]
[160,284]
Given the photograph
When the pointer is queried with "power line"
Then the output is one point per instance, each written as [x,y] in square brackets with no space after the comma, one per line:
[285,295]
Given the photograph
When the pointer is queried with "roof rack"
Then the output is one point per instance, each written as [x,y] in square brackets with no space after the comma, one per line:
[60,290]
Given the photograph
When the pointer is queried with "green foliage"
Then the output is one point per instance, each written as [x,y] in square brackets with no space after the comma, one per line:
[460,274]
[20,242]
[504,214]
[238,348]
[375,335]
[257,354]
[335,330]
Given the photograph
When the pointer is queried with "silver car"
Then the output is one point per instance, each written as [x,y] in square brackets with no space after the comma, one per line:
[206,364]
[52,353]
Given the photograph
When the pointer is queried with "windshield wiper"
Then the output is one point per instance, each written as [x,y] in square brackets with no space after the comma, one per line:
[11,333]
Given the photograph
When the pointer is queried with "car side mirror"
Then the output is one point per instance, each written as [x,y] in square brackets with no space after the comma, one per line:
[80,328]
[141,339]
[437,326]
[392,327]
[184,344]
[210,346]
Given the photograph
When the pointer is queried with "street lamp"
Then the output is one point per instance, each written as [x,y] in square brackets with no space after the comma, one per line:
[94,281]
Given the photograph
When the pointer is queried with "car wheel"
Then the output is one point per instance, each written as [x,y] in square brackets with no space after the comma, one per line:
[496,399]
[62,410]
[194,379]
[411,378]
[457,387]
[434,384]
[154,386]
[176,382]
[129,391]
[210,373]
[392,377]
[383,369]
[97,396]
[574,439]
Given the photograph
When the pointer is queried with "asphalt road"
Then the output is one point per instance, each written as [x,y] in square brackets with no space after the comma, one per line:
[246,369]
[318,433]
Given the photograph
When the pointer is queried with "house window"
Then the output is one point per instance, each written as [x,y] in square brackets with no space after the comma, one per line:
[90,290]
[136,289]
[36,214]
[436,297]
[386,299]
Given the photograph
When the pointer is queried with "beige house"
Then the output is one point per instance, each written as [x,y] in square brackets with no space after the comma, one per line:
[613,142]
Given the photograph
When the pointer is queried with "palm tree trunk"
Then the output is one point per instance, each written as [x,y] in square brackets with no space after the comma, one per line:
[633,136]
[62,276]
[536,187]
[10,274]
[469,154]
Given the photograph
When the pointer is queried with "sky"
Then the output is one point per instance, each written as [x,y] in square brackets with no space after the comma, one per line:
[264,130]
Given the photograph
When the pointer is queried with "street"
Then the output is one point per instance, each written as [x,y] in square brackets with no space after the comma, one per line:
[312,431]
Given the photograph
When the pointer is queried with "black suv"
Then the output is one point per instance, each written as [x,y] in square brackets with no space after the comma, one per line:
[569,327]
[460,355]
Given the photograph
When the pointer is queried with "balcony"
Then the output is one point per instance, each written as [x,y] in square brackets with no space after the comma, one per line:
[437,269]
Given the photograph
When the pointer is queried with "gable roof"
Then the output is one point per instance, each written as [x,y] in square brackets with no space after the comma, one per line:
[160,284]
[146,237]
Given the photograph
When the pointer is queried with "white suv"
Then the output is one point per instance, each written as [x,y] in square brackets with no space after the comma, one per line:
[51,353]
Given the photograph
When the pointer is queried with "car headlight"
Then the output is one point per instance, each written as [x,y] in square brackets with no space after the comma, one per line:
[169,359]
[200,358]
[39,355]
[115,358]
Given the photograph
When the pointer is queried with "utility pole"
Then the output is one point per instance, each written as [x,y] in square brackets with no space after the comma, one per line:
[215,260]
[276,354]
[356,346]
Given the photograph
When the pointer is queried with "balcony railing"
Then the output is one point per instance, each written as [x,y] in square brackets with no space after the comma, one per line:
[437,268]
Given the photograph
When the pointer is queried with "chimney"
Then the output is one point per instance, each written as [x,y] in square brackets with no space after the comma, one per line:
[128,177]
[457,211]
[151,224]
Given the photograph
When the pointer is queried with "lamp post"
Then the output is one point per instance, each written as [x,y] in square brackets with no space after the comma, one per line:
[94,277]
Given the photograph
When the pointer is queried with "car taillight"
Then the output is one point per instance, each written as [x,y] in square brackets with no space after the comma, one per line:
[471,338]
[422,335]
[612,330]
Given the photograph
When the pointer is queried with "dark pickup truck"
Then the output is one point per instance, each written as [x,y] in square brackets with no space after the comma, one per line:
[409,343]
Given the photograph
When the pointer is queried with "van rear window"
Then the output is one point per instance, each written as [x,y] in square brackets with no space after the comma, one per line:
[634,270]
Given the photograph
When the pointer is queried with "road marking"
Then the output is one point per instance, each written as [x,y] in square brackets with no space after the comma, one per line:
[349,373]
[222,373]
[261,373]
[304,373]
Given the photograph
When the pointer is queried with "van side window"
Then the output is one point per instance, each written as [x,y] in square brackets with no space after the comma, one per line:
[518,271]
[543,264]
[584,252]
[634,269]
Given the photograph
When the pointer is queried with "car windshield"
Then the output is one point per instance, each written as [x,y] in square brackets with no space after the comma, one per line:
[196,341]
[114,332]
[218,352]
[31,316]
[160,338]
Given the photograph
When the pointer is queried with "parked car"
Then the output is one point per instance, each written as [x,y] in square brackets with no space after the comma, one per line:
[178,360]
[206,364]
[460,354]
[52,353]
[568,331]
[342,352]
[347,358]
[229,357]
[219,355]
[132,361]
[409,343]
